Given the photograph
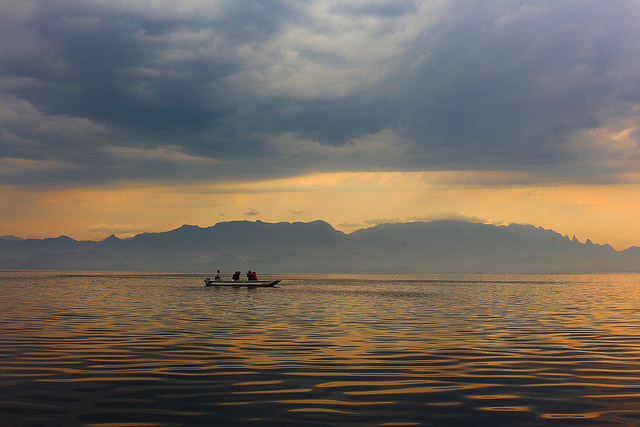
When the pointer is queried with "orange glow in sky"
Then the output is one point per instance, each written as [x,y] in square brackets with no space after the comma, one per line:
[348,201]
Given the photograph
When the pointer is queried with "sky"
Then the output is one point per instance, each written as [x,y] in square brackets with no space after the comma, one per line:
[122,117]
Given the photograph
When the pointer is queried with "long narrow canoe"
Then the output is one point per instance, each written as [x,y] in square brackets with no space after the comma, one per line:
[260,283]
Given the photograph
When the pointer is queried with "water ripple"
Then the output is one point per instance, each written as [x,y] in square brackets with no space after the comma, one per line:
[135,349]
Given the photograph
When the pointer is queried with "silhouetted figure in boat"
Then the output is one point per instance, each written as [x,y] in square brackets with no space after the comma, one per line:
[236,276]
[217,278]
[251,275]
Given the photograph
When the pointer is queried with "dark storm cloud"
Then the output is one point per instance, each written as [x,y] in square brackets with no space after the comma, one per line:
[141,76]
[382,9]
[146,91]
[507,85]
[126,69]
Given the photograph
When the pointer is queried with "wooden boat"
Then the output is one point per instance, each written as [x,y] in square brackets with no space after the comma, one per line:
[251,283]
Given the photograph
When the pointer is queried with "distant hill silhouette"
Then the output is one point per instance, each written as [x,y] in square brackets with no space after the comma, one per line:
[10,238]
[430,247]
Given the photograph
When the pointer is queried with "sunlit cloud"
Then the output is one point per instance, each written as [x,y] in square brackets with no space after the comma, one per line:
[164,153]
[439,216]
[337,49]
[613,151]
[10,165]
[252,212]
[524,13]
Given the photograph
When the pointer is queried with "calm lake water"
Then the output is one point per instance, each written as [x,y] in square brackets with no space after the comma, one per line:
[103,349]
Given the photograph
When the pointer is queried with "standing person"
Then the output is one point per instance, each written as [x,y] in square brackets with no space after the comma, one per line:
[217,278]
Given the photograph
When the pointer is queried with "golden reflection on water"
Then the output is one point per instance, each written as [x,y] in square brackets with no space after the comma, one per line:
[109,349]
[505,408]
[329,410]
[586,415]
[333,402]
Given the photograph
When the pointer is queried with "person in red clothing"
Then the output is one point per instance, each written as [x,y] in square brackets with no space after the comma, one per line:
[251,275]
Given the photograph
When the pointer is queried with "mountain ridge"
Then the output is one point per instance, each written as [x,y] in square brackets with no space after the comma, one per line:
[421,247]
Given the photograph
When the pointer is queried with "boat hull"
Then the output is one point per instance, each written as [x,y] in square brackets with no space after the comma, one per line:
[237,283]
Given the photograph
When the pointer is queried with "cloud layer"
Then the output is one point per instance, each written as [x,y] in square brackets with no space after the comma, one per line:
[150,91]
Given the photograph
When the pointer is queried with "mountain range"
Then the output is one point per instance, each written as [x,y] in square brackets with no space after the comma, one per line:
[415,247]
